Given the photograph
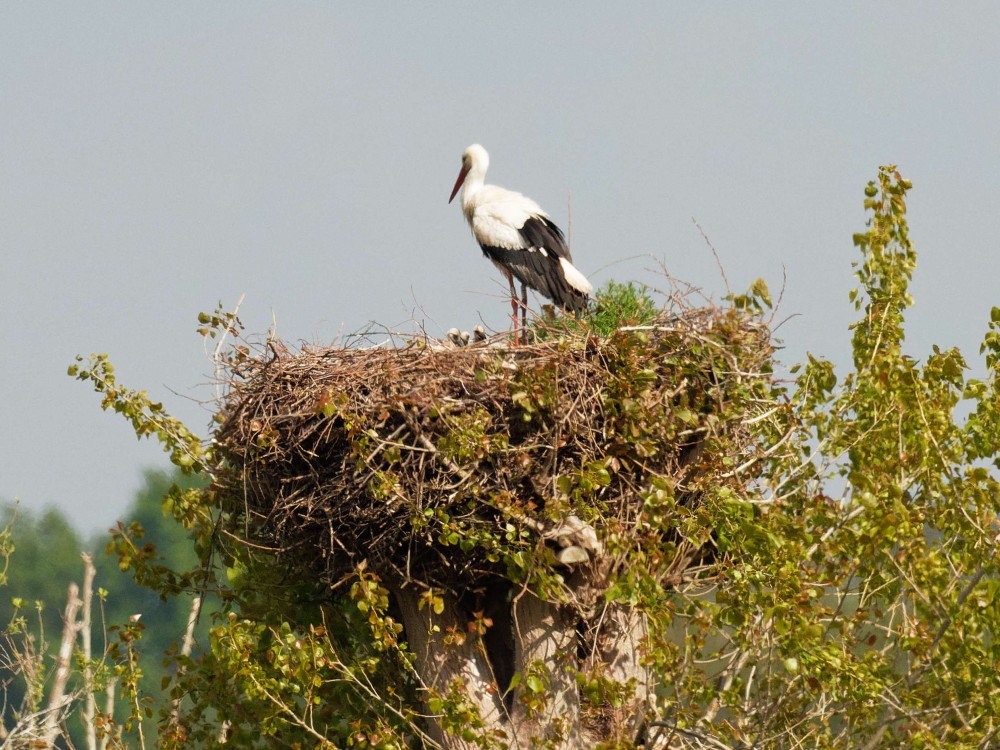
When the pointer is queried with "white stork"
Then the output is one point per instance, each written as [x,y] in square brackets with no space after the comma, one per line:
[519,238]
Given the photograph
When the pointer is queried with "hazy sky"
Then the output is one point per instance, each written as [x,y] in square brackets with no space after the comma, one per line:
[156,159]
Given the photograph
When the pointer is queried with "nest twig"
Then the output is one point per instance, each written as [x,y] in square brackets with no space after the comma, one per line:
[439,462]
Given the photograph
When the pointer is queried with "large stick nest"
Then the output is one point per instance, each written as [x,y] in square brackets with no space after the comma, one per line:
[450,464]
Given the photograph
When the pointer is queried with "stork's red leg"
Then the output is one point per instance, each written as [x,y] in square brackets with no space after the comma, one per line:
[513,302]
[524,310]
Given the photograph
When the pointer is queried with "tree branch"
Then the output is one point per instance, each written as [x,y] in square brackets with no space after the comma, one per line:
[90,706]
[57,697]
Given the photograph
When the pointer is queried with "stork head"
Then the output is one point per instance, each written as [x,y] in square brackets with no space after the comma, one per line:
[474,160]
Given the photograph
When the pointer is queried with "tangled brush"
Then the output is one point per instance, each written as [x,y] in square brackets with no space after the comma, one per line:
[450,465]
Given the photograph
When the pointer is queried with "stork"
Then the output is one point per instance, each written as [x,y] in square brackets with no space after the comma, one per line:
[518,236]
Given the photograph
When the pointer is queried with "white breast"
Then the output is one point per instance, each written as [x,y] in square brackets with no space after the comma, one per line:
[497,216]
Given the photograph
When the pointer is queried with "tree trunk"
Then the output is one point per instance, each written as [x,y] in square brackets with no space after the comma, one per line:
[542,651]
[618,651]
[545,646]
[448,658]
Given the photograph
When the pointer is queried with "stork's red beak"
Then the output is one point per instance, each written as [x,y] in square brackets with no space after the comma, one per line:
[458,182]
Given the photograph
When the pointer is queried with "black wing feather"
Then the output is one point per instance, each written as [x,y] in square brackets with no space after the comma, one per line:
[538,264]
[539,231]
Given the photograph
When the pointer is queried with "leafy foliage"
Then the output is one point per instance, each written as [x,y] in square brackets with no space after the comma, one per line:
[615,306]
[853,603]
[619,305]
[864,618]
[45,553]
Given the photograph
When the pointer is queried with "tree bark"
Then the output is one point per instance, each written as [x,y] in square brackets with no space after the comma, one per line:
[448,656]
[57,697]
[619,650]
[545,643]
[546,702]
[90,706]
[186,645]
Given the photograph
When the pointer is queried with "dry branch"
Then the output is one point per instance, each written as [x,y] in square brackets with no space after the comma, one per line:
[90,704]
[58,699]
